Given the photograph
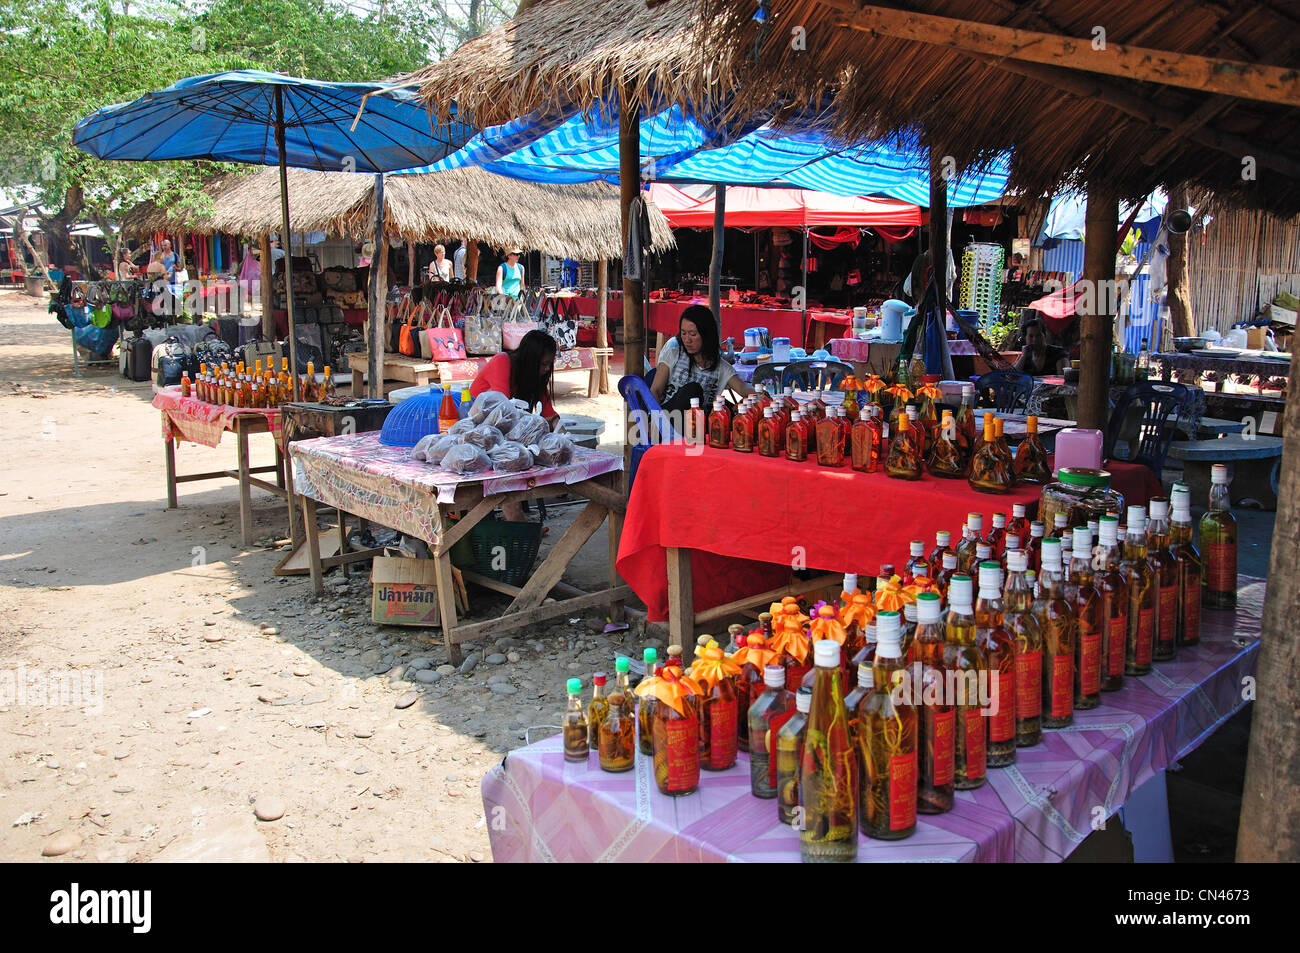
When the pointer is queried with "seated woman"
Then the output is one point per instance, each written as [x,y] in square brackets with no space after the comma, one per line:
[691,364]
[1039,357]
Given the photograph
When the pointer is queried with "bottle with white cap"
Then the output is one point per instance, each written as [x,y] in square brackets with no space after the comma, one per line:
[917,564]
[962,656]
[696,424]
[1219,542]
[886,739]
[719,424]
[1018,527]
[970,536]
[797,442]
[828,774]
[766,716]
[771,433]
[1114,603]
[1140,577]
[942,545]
[947,570]
[997,535]
[1033,550]
[1000,656]
[789,758]
[1027,637]
[1060,643]
[984,553]
[1190,568]
[909,629]
[1080,555]
[938,715]
[1165,565]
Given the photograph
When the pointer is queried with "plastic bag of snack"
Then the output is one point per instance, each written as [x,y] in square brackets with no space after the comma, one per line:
[484,436]
[528,430]
[553,450]
[466,458]
[463,426]
[433,448]
[510,457]
[484,404]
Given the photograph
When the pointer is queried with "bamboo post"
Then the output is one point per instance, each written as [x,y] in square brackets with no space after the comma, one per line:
[602,328]
[629,180]
[719,239]
[1180,302]
[378,298]
[1101,225]
[268,287]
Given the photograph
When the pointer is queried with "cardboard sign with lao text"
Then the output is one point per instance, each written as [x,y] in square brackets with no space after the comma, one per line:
[404,592]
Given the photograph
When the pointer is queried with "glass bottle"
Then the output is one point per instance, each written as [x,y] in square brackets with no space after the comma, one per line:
[734,634]
[966,429]
[830,441]
[962,657]
[864,443]
[789,760]
[742,431]
[904,459]
[1143,595]
[1091,625]
[286,383]
[942,547]
[719,707]
[676,731]
[857,617]
[945,454]
[187,389]
[719,425]
[1060,640]
[969,539]
[327,388]
[988,472]
[828,777]
[767,714]
[946,572]
[646,702]
[796,438]
[576,741]
[886,742]
[1033,548]
[917,564]
[1219,540]
[1189,567]
[1004,448]
[1031,464]
[307,385]
[1166,571]
[1027,636]
[597,709]
[623,683]
[1018,529]
[997,536]
[771,435]
[1113,588]
[617,748]
[936,731]
[994,643]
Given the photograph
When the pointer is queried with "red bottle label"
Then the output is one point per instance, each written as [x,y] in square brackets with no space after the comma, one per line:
[722,733]
[902,791]
[774,726]
[1029,684]
[1062,686]
[975,759]
[1090,663]
[1192,614]
[1221,567]
[683,755]
[1002,723]
[1118,638]
[1168,614]
[944,747]
[1146,626]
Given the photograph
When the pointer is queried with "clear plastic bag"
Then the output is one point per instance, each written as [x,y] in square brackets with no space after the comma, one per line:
[503,416]
[433,448]
[484,403]
[484,436]
[510,457]
[462,426]
[466,458]
[528,430]
[553,450]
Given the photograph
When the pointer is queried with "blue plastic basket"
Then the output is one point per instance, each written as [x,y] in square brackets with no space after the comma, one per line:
[412,419]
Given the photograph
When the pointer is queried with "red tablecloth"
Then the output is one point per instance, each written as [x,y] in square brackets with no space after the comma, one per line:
[664,316]
[188,418]
[1135,481]
[750,518]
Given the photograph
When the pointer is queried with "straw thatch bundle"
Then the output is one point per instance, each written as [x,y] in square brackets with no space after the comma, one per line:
[577,221]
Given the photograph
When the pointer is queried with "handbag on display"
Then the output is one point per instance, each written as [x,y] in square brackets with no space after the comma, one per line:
[407,342]
[483,330]
[445,340]
[426,347]
[518,323]
[559,326]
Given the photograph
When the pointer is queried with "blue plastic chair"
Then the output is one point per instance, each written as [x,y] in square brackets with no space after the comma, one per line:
[1162,407]
[647,421]
[815,375]
[1004,391]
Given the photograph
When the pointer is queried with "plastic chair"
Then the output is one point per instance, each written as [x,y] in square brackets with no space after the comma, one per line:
[1004,391]
[1148,438]
[648,423]
[767,374]
[815,375]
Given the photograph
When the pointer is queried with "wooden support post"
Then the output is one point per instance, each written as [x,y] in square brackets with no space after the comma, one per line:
[1269,829]
[602,324]
[378,300]
[681,598]
[267,287]
[719,244]
[940,242]
[1179,291]
[1101,223]
[245,490]
[471,262]
[629,179]
[169,456]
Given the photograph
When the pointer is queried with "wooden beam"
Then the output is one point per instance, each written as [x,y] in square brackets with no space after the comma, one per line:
[1273,84]
[719,245]
[767,598]
[517,620]
[1101,224]
[681,597]
[611,499]
[629,183]
[378,299]
[546,575]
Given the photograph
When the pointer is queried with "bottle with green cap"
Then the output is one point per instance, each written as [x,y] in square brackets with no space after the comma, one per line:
[646,710]
[623,681]
[576,743]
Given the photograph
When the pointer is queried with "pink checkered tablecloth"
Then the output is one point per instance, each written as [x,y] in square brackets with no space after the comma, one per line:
[188,418]
[545,809]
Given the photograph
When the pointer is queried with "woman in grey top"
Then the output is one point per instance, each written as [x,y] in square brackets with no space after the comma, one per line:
[691,364]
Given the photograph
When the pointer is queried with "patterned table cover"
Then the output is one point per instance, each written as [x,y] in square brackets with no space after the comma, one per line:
[188,418]
[362,476]
[542,808]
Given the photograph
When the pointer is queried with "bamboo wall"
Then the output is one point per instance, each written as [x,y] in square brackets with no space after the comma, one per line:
[1242,261]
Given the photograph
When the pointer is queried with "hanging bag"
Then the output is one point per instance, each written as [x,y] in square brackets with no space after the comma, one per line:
[445,340]
[559,326]
[483,330]
[426,316]
[516,325]
[408,342]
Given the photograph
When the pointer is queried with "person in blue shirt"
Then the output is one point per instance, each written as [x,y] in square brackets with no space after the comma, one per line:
[510,274]
[168,259]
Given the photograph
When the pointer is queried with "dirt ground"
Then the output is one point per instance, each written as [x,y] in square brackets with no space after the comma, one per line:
[158,682]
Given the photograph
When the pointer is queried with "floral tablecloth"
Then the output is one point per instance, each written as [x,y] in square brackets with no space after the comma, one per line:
[544,809]
[360,475]
[188,418]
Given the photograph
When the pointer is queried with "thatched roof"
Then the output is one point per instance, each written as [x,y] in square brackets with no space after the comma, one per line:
[1064,125]
[577,221]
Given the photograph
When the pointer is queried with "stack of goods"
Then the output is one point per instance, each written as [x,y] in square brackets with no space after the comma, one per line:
[256,386]
[497,434]
[961,659]
[342,289]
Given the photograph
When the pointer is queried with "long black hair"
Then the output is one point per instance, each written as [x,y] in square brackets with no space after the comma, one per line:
[701,315]
[526,379]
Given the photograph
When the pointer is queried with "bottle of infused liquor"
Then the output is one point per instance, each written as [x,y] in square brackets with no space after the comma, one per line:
[1188,557]
[720,708]
[917,564]
[988,470]
[796,438]
[997,536]
[1027,636]
[864,443]
[1143,595]
[969,539]
[1018,529]
[790,639]
[1031,458]
[942,546]
[962,656]
[789,760]
[766,715]
[753,657]
[1091,625]
[857,617]
[1166,566]
[771,435]
[886,742]
[597,709]
[903,461]
[828,782]
[676,731]
[945,454]
[1219,540]
[1033,548]
[936,741]
[965,421]
[617,749]
[999,653]
[946,571]
[830,441]
[576,741]
[1113,589]
[742,431]
[646,701]
[720,425]
[1060,639]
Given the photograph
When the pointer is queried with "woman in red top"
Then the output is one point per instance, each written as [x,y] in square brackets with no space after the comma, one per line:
[524,373]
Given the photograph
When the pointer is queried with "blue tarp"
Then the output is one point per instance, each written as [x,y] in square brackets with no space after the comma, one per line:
[1065,218]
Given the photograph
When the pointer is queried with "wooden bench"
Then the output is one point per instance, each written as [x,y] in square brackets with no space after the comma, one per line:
[593,360]
[1211,427]
[1254,460]
[396,367]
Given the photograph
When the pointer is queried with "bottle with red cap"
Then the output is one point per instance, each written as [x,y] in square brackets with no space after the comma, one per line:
[597,709]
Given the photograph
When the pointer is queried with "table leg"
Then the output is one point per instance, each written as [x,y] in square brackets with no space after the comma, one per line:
[245,490]
[313,545]
[447,606]
[681,601]
[169,455]
[616,613]
[279,466]
[295,531]
[343,540]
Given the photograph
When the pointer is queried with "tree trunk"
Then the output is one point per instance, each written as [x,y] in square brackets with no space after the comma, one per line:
[25,241]
[1101,224]
[267,286]
[1180,301]
[471,262]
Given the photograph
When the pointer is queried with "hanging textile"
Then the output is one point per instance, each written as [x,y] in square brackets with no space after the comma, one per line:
[894,234]
[841,236]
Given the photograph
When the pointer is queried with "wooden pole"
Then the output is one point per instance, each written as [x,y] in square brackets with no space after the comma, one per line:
[719,240]
[410,264]
[1101,223]
[1269,829]
[629,183]
[285,239]
[268,287]
[602,326]
[940,241]
[378,299]
[803,297]
[471,262]
[1179,292]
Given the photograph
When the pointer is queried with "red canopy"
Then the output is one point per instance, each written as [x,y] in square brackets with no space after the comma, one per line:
[748,206]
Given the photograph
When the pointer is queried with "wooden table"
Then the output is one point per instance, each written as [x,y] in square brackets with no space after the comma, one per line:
[399,367]
[357,474]
[1196,363]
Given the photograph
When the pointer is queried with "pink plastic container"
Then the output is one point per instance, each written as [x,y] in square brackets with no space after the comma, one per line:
[1078,447]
